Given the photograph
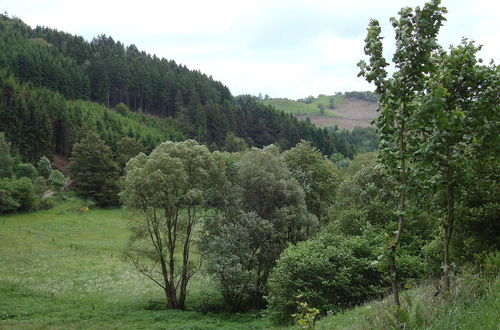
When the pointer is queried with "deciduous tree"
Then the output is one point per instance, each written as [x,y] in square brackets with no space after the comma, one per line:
[416,32]
[168,189]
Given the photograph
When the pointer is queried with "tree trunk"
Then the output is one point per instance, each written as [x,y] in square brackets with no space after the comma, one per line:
[185,263]
[393,277]
[448,228]
[401,218]
[169,288]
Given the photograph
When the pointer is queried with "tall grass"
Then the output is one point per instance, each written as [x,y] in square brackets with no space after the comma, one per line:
[473,303]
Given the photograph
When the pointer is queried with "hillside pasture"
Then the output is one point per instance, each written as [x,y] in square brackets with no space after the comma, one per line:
[348,112]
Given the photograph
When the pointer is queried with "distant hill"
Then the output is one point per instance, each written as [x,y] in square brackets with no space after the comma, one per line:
[347,110]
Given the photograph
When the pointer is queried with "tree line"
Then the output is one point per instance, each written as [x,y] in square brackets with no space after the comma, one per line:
[64,67]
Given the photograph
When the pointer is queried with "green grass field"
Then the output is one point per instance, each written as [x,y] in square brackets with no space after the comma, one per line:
[64,269]
[299,108]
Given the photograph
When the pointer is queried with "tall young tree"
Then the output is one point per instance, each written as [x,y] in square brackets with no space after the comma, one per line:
[455,121]
[416,32]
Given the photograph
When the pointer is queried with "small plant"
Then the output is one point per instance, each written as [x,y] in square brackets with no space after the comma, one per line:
[306,316]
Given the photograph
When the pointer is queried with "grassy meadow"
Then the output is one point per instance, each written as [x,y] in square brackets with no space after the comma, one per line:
[298,108]
[64,269]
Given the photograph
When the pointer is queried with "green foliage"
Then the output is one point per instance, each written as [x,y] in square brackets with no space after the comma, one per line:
[94,171]
[260,211]
[234,143]
[361,160]
[40,121]
[167,188]
[362,139]
[453,143]
[57,180]
[365,96]
[126,149]
[307,106]
[331,272]
[6,160]
[438,111]
[340,161]
[416,32]
[44,167]
[236,248]
[321,108]
[316,174]
[305,316]
[17,195]
[50,76]
[26,170]
[366,201]
[332,102]
[8,203]
[472,303]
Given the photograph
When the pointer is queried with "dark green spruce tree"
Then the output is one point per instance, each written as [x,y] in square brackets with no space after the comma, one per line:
[94,171]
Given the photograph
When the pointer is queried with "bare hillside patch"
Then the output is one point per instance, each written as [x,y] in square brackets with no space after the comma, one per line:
[348,114]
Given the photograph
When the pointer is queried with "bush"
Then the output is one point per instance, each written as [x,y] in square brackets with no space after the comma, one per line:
[331,272]
[58,181]
[47,203]
[17,195]
[26,170]
[7,203]
[6,160]
[44,167]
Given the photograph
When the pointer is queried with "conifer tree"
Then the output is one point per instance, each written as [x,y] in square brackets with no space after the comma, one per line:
[94,171]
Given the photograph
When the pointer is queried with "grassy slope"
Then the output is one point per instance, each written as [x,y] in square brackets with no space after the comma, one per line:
[64,269]
[348,112]
[298,108]
[476,305]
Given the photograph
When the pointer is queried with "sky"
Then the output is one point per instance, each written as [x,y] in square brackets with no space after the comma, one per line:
[289,48]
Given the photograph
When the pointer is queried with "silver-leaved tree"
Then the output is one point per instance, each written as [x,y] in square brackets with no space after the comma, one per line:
[167,188]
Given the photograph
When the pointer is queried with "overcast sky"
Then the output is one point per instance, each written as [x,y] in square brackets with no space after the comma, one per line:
[282,48]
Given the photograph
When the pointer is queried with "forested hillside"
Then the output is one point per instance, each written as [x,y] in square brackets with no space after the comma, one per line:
[49,79]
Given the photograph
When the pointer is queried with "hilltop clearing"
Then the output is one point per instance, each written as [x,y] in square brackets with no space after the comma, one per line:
[349,110]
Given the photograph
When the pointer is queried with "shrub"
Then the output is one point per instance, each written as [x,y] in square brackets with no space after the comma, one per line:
[6,160]
[47,203]
[26,170]
[58,181]
[17,195]
[44,167]
[331,272]
[7,202]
